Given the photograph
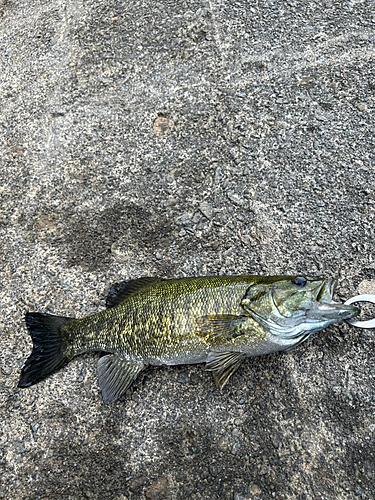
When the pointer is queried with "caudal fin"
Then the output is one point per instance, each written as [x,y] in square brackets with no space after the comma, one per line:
[48,353]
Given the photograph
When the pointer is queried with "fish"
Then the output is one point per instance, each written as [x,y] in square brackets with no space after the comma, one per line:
[216,320]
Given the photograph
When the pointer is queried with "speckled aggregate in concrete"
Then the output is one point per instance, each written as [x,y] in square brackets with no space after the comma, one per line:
[176,139]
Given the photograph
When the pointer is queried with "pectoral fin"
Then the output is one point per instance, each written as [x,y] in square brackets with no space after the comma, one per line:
[116,375]
[223,327]
[223,365]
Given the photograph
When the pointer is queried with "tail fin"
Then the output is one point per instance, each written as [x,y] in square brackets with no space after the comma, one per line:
[48,353]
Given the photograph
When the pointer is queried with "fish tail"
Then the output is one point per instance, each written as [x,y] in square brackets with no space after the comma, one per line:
[49,352]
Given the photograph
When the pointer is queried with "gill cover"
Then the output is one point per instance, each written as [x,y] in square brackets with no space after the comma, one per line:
[294,306]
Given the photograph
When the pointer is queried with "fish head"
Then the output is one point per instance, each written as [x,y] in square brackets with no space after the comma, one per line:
[294,307]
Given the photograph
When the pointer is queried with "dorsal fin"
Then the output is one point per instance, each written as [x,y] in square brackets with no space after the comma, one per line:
[120,291]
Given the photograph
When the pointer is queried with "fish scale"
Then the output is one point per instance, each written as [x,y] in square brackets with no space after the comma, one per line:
[159,320]
[219,320]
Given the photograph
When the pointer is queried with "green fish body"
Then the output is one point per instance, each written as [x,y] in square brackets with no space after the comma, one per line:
[217,320]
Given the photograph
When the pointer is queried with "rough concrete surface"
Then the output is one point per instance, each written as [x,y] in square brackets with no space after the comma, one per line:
[180,138]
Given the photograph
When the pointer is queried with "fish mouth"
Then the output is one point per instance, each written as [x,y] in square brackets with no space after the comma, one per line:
[329,310]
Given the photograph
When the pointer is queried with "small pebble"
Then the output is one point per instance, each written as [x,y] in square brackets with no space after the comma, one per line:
[162,126]
[362,106]
[183,378]
[136,482]
[185,218]
[235,198]
[213,470]
[235,448]
[206,209]
[159,490]
[6,370]
[237,496]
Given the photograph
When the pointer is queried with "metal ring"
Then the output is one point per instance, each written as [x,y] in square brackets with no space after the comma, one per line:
[361,298]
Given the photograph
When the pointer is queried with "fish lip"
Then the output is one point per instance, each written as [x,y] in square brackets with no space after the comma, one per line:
[329,309]
[334,311]
[326,308]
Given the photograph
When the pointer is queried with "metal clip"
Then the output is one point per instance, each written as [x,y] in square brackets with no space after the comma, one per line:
[361,298]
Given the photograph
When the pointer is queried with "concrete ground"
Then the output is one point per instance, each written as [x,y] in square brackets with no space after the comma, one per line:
[181,138]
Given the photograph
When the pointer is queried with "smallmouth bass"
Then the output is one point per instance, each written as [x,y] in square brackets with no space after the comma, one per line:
[217,320]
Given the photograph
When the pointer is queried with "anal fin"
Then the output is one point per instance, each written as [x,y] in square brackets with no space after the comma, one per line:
[116,375]
[223,365]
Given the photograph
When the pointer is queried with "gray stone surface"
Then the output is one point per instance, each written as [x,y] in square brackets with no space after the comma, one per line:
[173,139]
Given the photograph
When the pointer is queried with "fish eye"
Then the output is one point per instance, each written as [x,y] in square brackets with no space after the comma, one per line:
[299,281]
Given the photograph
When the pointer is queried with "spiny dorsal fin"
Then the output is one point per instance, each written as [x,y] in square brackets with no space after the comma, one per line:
[224,326]
[121,291]
[116,375]
[223,365]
